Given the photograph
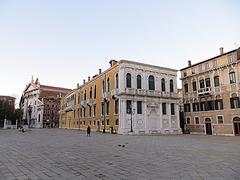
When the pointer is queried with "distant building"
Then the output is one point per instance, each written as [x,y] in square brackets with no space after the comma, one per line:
[127,97]
[40,104]
[211,91]
[9,103]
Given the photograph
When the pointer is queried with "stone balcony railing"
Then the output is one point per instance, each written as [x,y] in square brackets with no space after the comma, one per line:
[105,96]
[83,103]
[204,91]
[89,102]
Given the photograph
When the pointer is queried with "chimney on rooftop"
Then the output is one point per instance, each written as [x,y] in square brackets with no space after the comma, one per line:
[189,63]
[84,81]
[100,71]
[221,50]
[112,62]
[77,85]
[89,78]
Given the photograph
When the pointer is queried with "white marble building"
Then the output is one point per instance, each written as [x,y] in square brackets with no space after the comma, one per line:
[147,91]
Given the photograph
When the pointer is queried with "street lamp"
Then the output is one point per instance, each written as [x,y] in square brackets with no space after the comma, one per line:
[132,111]
[30,113]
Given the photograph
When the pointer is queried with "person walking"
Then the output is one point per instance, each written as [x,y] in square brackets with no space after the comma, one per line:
[88,131]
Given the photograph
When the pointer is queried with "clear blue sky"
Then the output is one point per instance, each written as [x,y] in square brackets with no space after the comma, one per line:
[63,42]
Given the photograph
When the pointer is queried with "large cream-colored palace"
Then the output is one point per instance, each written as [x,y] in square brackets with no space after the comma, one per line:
[127,97]
[211,91]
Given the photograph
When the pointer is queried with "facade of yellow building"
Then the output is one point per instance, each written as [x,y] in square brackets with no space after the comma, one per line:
[127,97]
[211,91]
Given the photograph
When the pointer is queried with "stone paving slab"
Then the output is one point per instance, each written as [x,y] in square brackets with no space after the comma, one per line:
[48,154]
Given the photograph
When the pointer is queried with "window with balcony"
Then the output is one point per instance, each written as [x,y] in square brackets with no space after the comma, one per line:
[95,92]
[128,80]
[172,109]
[201,84]
[196,120]
[128,106]
[116,81]
[186,87]
[116,106]
[139,107]
[171,86]
[232,77]
[208,82]
[151,83]
[163,84]
[164,108]
[216,81]
[194,86]
[139,82]
[108,85]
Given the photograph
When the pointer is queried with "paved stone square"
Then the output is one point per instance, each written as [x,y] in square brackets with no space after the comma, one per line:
[69,154]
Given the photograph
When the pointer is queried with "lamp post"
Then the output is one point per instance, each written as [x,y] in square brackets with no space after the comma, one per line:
[30,113]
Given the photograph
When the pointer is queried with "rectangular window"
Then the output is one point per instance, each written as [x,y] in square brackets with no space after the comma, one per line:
[218,104]
[195,107]
[116,106]
[220,119]
[188,120]
[187,107]
[107,108]
[186,88]
[128,106]
[235,102]
[164,110]
[194,86]
[107,121]
[232,77]
[196,120]
[216,81]
[116,122]
[139,107]
[172,109]
[84,112]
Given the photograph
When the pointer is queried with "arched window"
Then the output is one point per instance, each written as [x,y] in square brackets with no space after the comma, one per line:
[39,116]
[103,86]
[128,80]
[163,84]
[85,95]
[151,83]
[108,85]
[171,86]
[139,82]
[95,92]
[116,81]
[90,93]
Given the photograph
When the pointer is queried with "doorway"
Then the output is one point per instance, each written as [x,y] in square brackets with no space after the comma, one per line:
[208,126]
[236,123]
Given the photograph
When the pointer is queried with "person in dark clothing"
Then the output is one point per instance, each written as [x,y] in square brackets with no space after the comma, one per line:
[88,131]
